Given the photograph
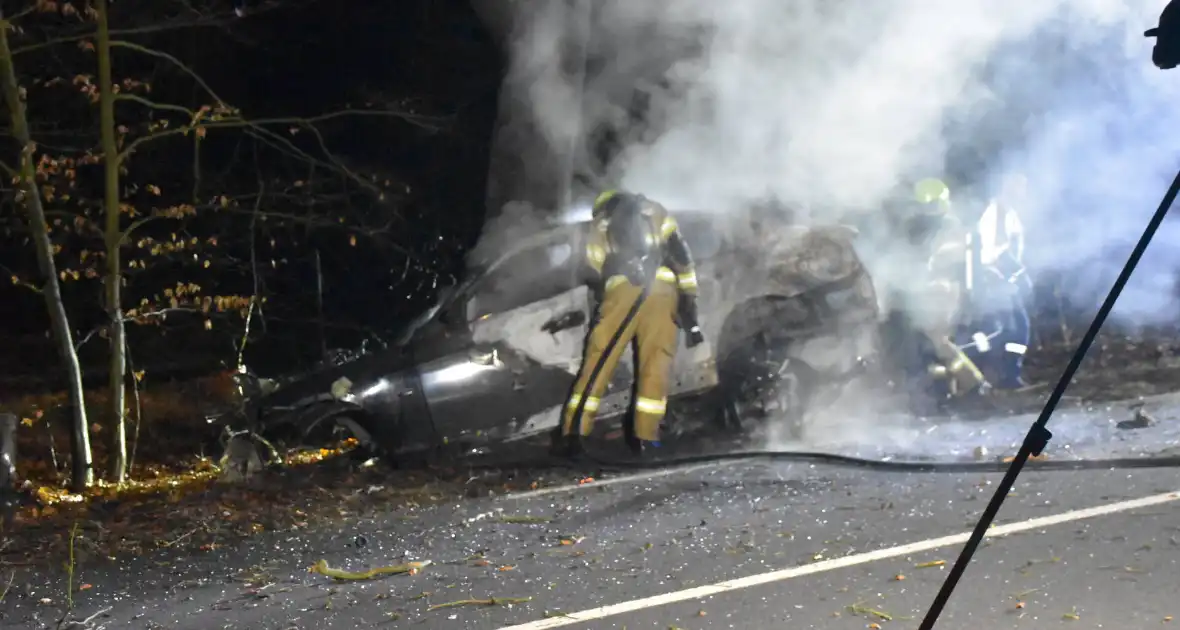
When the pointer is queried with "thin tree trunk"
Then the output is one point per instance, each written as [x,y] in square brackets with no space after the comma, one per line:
[319,305]
[117,462]
[83,473]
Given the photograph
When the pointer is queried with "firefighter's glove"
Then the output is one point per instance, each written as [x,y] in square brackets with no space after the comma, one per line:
[687,318]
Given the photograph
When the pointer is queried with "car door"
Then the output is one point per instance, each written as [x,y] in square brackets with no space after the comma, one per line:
[527,320]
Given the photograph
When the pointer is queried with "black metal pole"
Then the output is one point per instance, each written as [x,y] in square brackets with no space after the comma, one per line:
[1038,435]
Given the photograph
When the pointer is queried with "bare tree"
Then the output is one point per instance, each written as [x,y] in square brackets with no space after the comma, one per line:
[30,198]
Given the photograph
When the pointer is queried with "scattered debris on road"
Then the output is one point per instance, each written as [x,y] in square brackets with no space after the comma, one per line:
[523,519]
[1139,420]
[861,609]
[492,601]
[322,568]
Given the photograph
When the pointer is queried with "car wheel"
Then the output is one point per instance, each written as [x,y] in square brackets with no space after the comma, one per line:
[760,385]
[763,390]
[336,426]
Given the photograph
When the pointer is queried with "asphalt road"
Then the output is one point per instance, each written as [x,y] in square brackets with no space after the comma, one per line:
[636,546]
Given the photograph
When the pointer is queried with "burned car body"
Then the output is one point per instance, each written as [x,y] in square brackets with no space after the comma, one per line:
[495,359]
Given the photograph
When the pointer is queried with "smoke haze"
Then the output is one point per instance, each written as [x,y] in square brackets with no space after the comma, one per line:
[831,105]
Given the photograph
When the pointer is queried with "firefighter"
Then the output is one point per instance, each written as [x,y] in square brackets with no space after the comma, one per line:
[642,273]
[1003,283]
[943,296]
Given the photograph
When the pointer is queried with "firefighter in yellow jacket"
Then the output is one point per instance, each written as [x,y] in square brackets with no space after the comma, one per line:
[948,269]
[643,274]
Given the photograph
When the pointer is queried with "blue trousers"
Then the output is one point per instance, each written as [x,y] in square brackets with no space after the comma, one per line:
[1005,352]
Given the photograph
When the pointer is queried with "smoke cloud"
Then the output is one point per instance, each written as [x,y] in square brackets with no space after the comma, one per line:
[831,106]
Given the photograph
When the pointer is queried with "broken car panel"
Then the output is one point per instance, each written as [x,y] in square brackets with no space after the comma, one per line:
[496,357]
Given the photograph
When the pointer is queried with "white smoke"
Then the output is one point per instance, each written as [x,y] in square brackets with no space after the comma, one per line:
[829,105]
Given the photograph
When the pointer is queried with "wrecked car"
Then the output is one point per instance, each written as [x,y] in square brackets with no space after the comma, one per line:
[494,359]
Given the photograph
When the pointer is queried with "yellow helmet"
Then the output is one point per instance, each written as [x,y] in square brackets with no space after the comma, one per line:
[933,193]
[606,202]
[601,201]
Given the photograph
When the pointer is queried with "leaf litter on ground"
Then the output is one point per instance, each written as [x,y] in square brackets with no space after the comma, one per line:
[193,512]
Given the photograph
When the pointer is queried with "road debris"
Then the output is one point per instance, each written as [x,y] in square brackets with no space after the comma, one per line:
[492,601]
[322,568]
[523,519]
[931,564]
[861,609]
[1139,420]
[7,587]
[1032,458]
[1028,564]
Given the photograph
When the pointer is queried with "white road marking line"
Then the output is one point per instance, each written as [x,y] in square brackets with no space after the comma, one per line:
[574,487]
[839,563]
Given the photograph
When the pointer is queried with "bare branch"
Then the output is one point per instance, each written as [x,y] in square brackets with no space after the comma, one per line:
[135,226]
[219,20]
[154,105]
[335,162]
[430,123]
[258,126]
[7,22]
[161,313]
[73,216]
[151,52]
[20,282]
[88,337]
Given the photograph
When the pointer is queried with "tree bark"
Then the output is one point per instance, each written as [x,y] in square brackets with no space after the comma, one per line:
[116,334]
[83,473]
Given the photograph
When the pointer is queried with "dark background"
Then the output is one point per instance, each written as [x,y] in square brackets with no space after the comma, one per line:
[294,58]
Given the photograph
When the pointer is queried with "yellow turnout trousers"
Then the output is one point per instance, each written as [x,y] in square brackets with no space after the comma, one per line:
[653,330]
